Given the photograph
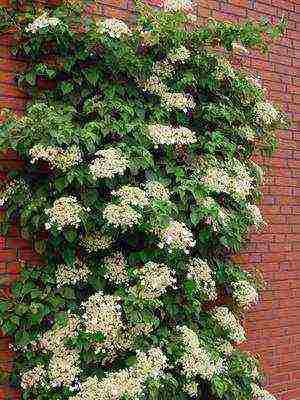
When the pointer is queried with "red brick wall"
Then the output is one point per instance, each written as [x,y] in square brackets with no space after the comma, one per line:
[274,326]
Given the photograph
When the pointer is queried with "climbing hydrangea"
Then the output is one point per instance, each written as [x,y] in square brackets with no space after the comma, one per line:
[137,185]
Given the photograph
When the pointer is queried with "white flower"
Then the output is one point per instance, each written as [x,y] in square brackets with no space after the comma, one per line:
[178,5]
[116,270]
[114,28]
[247,132]
[261,394]
[33,377]
[197,361]
[224,347]
[266,113]
[164,69]
[181,54]
[128,382]
[103,314]
[65,212]
[256,216]
[256,81]
[180,101]
[155,280]
[239,48]
[217,180]
[66,275]
[177,236]
[244,293]
[95,241]
[42,22]
[64,367]
[227,320]
[161,134]
[132,195]
[110,163]
[169,100]
[121,215]
[56,157]
[13,188]
[53,340]
[157,191]
[200,272]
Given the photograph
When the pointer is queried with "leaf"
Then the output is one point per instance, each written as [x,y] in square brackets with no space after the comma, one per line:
[71,235]
[40,246]
[30,77]
[196,216]
[61,183]
[69,256]
[66,87]
[92,75]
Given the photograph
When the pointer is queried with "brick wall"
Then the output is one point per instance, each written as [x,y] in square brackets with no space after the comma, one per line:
[274,326]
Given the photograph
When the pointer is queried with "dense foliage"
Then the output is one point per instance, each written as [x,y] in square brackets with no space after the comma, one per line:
[136,188]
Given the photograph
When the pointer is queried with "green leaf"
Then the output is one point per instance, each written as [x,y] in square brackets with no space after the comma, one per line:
[71,235]
[40,246]
[66,87]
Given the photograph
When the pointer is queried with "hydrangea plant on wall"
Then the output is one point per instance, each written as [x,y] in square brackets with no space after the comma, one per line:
[137,187]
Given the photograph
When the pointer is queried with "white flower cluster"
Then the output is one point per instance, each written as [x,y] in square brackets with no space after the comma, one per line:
[64,367]
[200,272]
[116,270]
[161,134]
[103,313]
[121,215]
[238,48]
[238,186]
[244,293]
[65,212]
[42,22]
[110,162]
[7,194]
[181,54]
[164,69]
[227,320]
[217,180]
[177,236]
[155,280]
[127,382]
[114,28]
[64,363]
[261,394]
[266,113]
[256,216]
[70,275]
[11,189]
[95,241]
[224,70]
[170,101]
[178,5]
[179,101]
[33,377]
[247,132]
[197,361]
[223,346]
[218,216]
[157,191]
[53,340]
[132,195]
[56,157]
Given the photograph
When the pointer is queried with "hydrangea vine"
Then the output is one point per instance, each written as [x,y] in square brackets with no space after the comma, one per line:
[137,186]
